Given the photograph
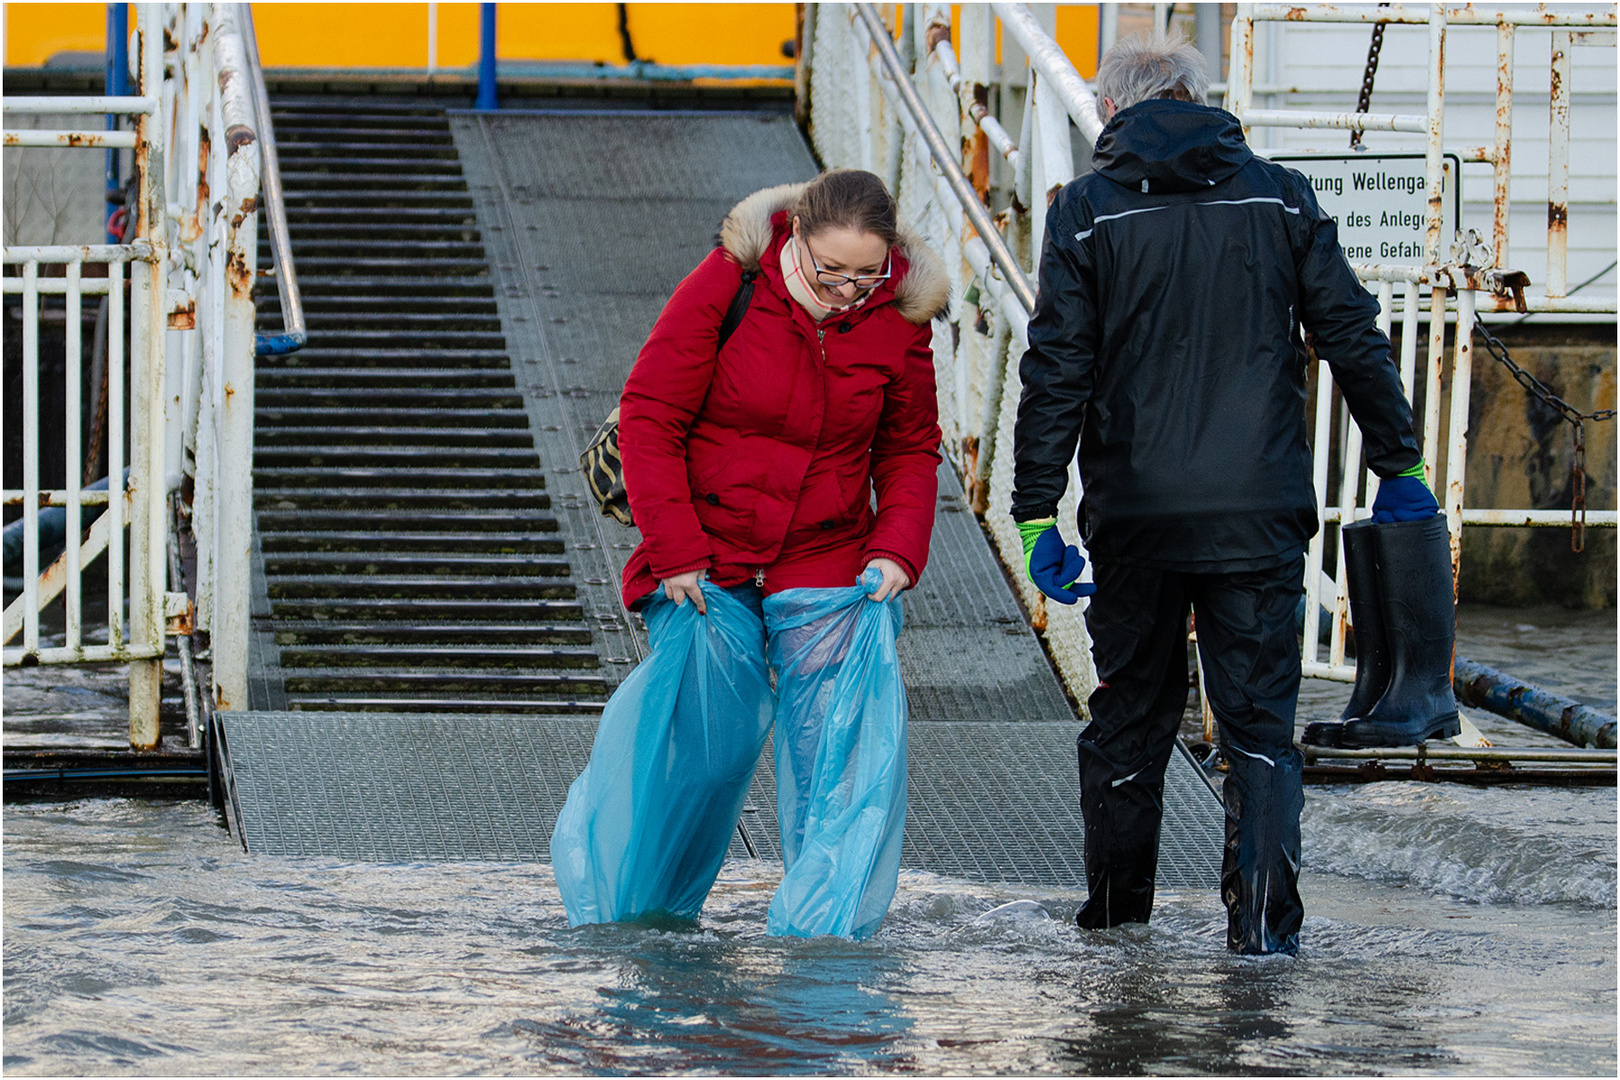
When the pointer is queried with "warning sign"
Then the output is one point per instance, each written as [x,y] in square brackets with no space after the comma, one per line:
[1380,202]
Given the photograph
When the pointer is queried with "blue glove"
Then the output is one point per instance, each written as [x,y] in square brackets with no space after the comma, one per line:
[1053,566]
[1404,498]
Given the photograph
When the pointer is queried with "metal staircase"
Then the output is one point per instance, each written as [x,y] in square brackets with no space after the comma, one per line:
[410,556]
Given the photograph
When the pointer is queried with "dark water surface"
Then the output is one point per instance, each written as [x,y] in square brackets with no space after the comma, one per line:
[1450,930]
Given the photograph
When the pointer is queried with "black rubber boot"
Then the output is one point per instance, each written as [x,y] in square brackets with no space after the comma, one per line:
[1260,870]
[1372,644]
[1420,622]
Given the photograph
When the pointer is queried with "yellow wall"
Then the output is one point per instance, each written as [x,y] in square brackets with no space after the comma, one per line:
[35,32]
[396,35]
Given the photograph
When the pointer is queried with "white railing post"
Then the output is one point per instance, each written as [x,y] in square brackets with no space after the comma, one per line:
[73,479]
[233,492]
[148,537]
[31,457]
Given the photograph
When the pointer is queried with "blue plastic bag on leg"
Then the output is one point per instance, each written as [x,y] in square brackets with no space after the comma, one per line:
[840,758]
[647,824]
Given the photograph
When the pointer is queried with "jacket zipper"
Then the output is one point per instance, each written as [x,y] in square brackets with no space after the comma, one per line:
[759,578]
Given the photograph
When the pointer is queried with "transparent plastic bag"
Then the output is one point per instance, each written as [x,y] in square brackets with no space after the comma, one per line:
[647,823]
[840,758]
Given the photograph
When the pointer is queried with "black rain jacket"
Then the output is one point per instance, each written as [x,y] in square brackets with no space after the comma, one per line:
[1166,340]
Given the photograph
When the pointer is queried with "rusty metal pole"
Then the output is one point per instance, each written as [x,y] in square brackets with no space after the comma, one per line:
[1558,167]
[148,562]
[1240,67]
[1457,453]
[234,481]
[1502,151]
[1434,154]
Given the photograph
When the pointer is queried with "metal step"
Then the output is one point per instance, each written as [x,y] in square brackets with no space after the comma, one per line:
[438,134]
[386,358]
[426,520]
[428,457]
[393,166]
[354,540]
[320,285]
[362,416]
[350,247]
[340,680]
[402,476]
[427,610]
[444,564]
[437,658]
[391,200]
[340,397]
[461,705]
[370,215]
[423,378]
[415,502]
[377,632]
[418,437]
[317,231]
[416,586]
[342,266]
[371,182]
[297,149]
[434,303]
[445,341]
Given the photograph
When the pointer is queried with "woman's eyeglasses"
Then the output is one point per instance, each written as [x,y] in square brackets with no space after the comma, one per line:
[860,281]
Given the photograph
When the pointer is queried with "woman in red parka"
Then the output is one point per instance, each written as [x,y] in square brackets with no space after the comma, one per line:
[750,469]
[758,464]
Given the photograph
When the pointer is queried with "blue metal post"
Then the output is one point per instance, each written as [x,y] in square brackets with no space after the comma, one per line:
[116,84]
[486,58]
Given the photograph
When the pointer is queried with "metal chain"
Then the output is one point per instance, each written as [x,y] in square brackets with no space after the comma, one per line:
[1364,101]
[1577,421]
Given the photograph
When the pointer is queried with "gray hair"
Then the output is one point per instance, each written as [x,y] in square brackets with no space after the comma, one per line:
[1142,67]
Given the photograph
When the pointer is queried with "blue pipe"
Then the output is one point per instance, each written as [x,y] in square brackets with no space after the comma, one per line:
[486,58]
[116,84]
[1487,688]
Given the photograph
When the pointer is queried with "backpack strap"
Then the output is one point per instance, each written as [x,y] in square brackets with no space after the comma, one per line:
[738,308]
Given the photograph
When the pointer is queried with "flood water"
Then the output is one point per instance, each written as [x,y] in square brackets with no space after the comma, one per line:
[1449,930]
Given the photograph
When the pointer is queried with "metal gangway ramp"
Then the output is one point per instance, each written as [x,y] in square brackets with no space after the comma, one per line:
[587,219]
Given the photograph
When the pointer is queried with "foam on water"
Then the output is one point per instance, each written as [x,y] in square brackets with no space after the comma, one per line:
[1539,847]
[139,939]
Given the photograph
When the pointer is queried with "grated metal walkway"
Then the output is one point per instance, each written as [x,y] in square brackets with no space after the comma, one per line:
[586,221]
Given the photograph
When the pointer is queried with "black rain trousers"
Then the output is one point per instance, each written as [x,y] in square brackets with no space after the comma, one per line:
[1250,652]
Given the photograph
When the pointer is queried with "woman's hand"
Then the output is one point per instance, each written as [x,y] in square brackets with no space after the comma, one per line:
[894,579]
[681,587]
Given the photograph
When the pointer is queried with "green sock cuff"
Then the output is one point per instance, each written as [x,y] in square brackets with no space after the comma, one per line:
[1414,471]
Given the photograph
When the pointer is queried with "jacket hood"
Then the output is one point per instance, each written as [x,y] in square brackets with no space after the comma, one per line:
[921,294]
[1165,145]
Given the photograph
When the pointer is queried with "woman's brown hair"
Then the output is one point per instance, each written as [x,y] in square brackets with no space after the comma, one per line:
[848,198]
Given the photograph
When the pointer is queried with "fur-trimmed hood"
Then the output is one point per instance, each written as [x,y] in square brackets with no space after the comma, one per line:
[923,293]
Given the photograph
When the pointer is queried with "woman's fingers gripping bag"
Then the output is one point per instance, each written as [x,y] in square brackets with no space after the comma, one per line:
[840,758]
[648,822]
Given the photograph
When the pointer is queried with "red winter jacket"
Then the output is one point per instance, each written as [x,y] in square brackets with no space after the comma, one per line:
[765,458]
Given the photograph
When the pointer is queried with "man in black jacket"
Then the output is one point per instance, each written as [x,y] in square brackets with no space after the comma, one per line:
[1166,342]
